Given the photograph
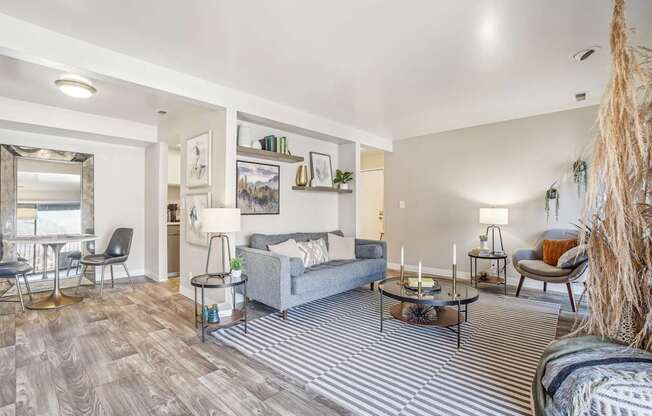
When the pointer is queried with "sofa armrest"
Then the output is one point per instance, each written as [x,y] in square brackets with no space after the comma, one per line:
[269,276]
[524,254]
[381,243]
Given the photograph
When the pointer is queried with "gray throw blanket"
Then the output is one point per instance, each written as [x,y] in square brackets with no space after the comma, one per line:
[590,376]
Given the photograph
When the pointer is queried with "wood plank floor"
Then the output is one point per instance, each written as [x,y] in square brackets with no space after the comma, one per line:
[137,353]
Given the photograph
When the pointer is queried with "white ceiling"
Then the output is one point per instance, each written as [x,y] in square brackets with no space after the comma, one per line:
[395,68]
[25,81]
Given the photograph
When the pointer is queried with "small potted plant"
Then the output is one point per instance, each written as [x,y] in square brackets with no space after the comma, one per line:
[342,179]
[484,238]
[237,264]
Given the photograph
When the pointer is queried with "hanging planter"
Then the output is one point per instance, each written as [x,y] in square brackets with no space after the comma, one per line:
[580,174]
[552,194]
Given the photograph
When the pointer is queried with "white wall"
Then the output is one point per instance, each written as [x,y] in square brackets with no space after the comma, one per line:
[193,257]
[119,187]
[445,178]
[299,210]
[156,166]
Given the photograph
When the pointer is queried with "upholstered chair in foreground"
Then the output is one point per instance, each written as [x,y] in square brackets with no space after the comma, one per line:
[529,263]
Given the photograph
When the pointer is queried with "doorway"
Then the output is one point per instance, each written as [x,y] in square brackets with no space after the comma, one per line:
[372,187]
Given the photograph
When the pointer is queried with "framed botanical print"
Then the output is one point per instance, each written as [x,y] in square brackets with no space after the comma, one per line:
[321,170]
[258,191]
[194,204]
[198,160]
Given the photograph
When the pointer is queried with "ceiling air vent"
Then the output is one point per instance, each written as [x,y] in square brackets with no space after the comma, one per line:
[580,96]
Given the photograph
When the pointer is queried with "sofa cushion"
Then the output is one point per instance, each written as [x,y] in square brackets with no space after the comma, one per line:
[336,275]
[288,248]
[341,248]
[261,241]
[296,266]
[313,252]
[369,251]
[538,267]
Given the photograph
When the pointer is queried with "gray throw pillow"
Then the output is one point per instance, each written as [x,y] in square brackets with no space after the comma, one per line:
[573,257]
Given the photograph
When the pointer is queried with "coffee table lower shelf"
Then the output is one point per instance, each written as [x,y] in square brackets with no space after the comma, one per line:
[446,316]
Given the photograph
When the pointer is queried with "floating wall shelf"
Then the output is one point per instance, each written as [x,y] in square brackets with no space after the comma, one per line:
[322,189]
[267,155]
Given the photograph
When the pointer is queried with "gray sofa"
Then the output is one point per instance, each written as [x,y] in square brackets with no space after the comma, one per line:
[282,282]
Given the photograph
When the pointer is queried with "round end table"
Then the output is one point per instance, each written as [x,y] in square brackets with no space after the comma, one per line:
[220,281]
[473,260]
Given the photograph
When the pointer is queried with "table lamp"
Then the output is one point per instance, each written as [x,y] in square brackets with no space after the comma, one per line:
[217,222]
[493,217]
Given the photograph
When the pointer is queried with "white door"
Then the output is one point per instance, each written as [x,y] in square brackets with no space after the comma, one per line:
[371,203]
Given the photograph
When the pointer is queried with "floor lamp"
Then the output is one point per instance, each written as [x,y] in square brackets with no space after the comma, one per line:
[217,222]
[492,218]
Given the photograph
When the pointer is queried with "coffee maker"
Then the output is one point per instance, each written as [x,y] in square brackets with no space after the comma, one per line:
[173,213]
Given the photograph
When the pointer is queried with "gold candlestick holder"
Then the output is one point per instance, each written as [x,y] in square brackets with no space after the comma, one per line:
[453,292]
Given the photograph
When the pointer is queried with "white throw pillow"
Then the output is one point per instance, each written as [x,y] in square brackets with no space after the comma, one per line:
[313,252]
[288,248]
[341,248]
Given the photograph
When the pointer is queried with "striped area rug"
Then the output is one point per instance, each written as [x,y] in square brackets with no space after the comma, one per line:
[333,347]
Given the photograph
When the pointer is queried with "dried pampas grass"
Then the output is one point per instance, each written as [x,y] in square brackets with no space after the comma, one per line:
[619,214]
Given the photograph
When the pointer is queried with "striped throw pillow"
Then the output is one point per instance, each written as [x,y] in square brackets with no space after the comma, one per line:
[313,252]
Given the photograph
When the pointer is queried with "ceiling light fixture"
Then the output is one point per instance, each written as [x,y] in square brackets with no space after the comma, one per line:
[75,86]
[584,54]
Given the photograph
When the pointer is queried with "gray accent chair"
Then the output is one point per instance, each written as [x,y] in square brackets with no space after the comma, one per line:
[116,253]
[529,263]
[11,270]
[282,282]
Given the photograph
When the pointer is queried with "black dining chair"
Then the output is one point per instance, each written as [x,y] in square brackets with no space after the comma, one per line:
[116,253]
[12,270]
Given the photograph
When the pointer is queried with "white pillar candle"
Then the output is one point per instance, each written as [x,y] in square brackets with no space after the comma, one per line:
[454,254]
[419,272]
[402,256]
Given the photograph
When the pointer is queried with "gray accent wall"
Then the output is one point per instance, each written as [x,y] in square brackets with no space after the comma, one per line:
[445,178]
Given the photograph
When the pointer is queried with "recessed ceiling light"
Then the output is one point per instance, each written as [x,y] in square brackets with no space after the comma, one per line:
[584,54]
[75,86]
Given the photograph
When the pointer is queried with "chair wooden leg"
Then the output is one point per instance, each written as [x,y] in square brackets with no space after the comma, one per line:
[545,286]
[371,286]
[102,281]
[570,296]
[520,285]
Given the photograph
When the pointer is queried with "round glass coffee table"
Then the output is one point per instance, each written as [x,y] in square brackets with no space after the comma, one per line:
[425,308]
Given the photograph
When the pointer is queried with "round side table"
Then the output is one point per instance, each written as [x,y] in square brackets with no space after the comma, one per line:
[220,281]
[473,259]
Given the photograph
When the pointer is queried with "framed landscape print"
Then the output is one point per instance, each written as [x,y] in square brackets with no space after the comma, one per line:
[321,170]
[194,204]
[198,160]
[257,188]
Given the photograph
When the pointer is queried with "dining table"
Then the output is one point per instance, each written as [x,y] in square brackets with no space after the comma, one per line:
[57,298]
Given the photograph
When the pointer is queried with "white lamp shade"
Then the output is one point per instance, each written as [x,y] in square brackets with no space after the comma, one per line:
[220,220]
[493,216]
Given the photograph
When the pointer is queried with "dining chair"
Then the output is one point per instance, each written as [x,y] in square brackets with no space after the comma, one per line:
[74,262]
[12,270]
[116,253]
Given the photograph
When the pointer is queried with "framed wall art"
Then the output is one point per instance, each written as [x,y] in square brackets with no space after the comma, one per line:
[258,191]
